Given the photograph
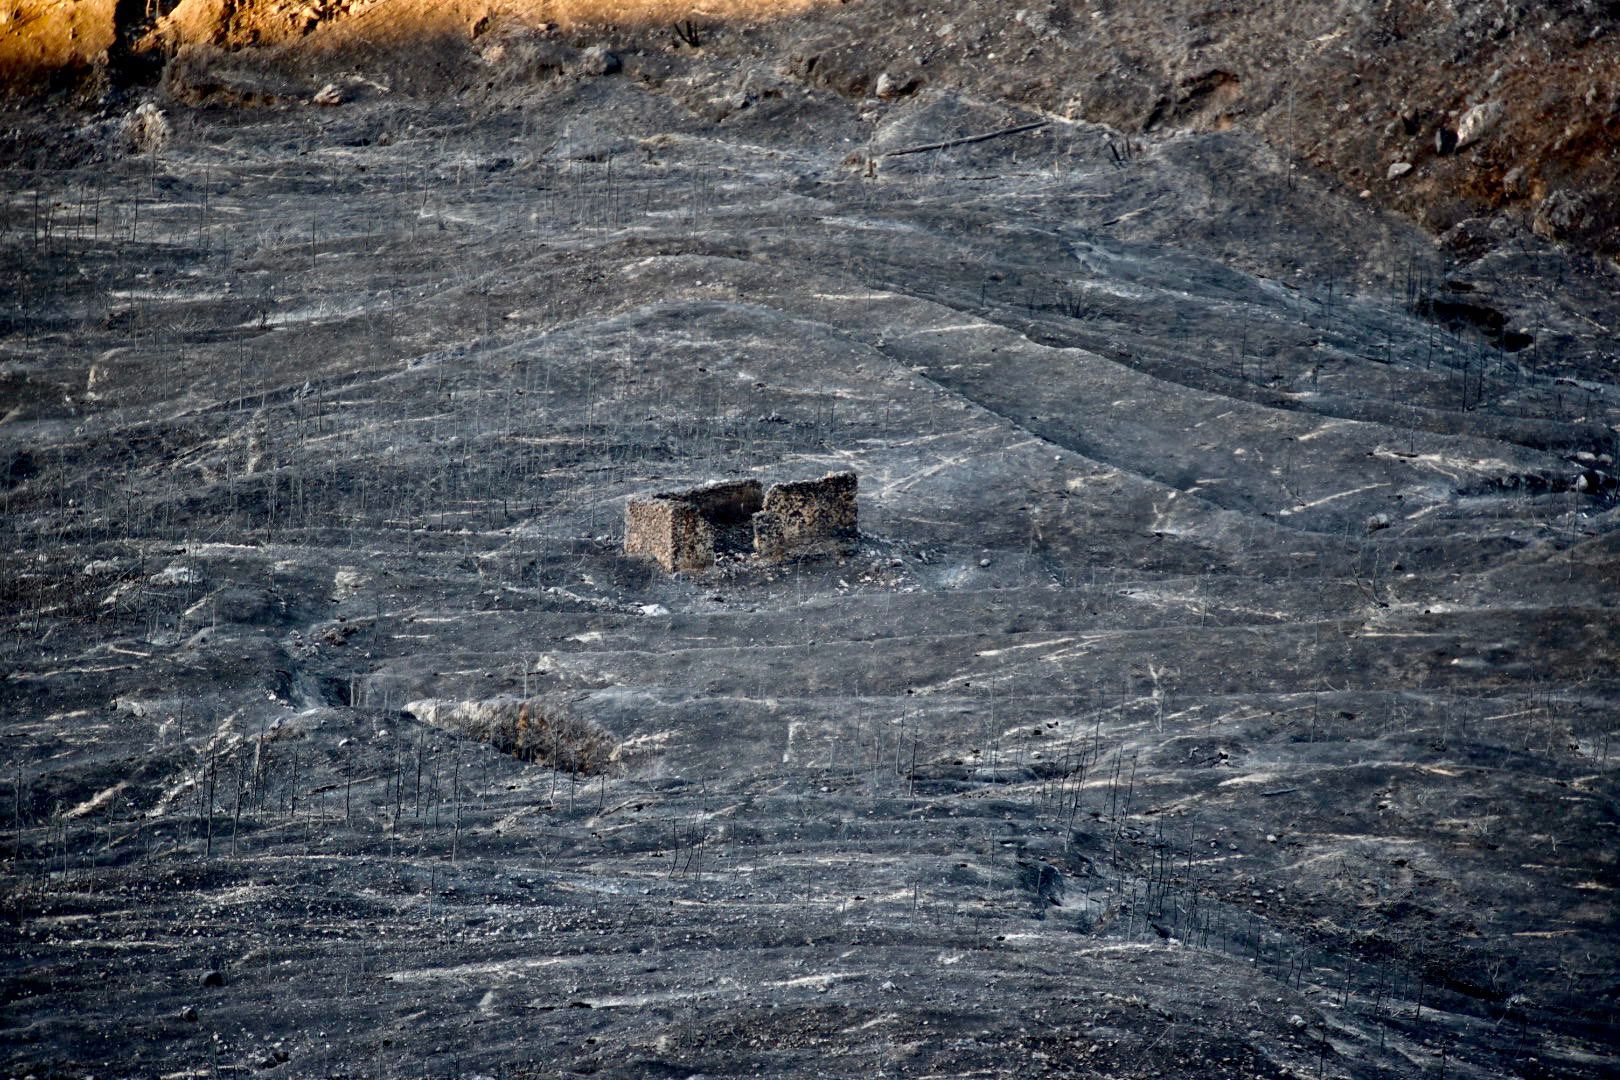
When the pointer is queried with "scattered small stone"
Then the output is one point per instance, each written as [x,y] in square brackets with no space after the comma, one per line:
[984,562]
[188,1014]
[1271,838]
[890,86]
[1398,170]
[213,978]
[328,95]
[1377,521]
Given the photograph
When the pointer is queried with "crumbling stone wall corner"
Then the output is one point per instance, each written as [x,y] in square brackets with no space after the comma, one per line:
[684,530]
[808,517]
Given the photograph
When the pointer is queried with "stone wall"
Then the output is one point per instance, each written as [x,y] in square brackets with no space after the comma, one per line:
[683,530]
[807,517]
[686,530]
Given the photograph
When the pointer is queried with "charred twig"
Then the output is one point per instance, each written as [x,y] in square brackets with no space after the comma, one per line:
[966,139]
[687,32]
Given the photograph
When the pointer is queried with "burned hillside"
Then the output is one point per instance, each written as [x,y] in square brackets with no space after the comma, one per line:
[1211,671]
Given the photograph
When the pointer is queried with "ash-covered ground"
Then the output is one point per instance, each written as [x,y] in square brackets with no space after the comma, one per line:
[1224,685]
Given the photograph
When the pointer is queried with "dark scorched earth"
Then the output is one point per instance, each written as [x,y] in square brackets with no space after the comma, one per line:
[1224,684]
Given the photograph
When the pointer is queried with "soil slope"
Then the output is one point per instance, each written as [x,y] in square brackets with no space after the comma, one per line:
[1447,110]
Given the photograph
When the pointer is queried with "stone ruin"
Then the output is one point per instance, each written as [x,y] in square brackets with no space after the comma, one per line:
[807,517]
[685,530]
[688,530]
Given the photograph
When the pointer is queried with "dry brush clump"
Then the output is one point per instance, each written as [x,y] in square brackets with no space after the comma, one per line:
[146,130]
[528,728]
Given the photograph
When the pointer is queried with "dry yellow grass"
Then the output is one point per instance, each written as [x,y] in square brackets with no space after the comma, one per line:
[642,12]
[400,18]
[41,36]
[395,22]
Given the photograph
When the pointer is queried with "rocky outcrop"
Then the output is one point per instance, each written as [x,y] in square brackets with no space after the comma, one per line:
[527,728]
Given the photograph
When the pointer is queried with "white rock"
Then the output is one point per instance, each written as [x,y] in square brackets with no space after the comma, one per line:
[346,582]
[1477,121]
[1398,170]
[599,60]
[176,574]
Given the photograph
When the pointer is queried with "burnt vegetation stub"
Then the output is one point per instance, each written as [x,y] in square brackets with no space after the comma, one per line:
[689,529]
